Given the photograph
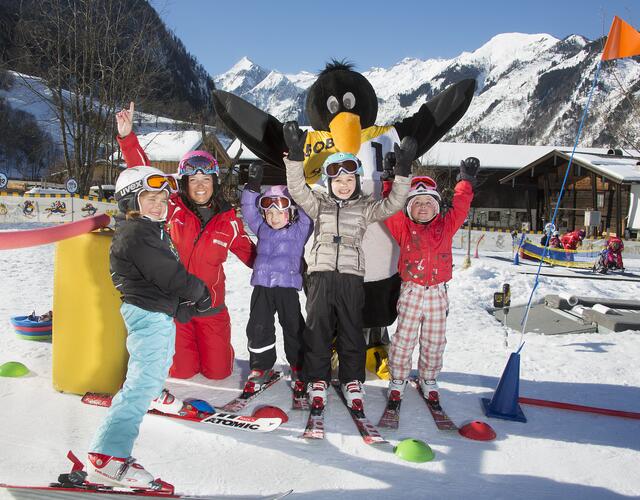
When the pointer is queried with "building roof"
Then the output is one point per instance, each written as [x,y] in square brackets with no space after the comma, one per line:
[620,169]
[170,145]
[492,156]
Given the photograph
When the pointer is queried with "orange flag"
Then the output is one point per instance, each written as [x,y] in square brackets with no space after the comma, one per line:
[623,41]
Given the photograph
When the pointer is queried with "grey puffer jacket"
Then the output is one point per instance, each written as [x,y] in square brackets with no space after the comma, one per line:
[339,226]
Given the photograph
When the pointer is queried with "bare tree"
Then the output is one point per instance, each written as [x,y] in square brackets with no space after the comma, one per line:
[94,56]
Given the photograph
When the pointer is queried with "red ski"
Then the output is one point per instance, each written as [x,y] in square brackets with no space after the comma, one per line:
[368,431]
[442,420]
[74,484]
[243,400]
[192,414]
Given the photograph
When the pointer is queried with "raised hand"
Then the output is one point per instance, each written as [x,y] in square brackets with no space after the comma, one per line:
[388,164]
[469,169]
[405,154]
[255,174]
[295,139]
[124,120]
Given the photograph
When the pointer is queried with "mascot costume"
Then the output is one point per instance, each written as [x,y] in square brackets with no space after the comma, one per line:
[342,107]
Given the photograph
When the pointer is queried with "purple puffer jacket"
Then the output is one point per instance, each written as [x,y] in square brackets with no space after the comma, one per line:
[280,251]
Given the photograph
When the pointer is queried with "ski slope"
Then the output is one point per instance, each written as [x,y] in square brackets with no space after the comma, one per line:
[556,454]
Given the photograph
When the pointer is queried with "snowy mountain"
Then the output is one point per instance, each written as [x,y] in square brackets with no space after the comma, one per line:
[531,89]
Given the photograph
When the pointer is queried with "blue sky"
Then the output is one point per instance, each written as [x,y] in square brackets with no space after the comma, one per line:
[291,36]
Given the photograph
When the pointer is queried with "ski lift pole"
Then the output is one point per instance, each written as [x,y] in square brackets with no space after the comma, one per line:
[506,293]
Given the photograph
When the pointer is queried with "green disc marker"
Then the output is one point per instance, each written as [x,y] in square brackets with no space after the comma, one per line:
[13,369]
[414,450]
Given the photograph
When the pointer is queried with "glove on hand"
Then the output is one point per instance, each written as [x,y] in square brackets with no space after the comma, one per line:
[204,303]
[405,154]
[469,170]
[295,139]
[186,311]
[388,165]
[256,171]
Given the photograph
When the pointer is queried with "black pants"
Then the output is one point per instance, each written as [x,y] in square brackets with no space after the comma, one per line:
[261,331]
[334,304]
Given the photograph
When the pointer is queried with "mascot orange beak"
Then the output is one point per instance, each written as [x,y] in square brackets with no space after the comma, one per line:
[345,130]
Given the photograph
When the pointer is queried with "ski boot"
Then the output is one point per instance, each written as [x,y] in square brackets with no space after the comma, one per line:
[123,472]
[354,394]
[255,381]
[167,403]
[429,389]
[396,389]
[297,384]
[317,393]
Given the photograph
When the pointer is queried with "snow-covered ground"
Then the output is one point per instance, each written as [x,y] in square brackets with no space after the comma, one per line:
[556,454]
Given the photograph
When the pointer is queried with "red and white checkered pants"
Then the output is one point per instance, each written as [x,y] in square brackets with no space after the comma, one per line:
[422,315]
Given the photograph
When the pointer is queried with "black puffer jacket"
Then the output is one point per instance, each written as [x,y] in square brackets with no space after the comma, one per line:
[145,267]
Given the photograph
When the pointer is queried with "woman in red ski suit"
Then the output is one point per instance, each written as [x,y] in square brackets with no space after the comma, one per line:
[203,234]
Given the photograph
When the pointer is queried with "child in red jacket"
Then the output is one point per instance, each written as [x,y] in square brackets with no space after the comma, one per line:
[425,237]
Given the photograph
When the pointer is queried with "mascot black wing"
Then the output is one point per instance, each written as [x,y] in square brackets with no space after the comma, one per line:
[436,117]
[257,130]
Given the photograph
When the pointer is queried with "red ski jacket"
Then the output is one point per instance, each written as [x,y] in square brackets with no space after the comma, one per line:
[570,240]
[201,250]
[425,249]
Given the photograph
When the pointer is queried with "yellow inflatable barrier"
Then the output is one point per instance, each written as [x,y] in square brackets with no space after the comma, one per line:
[89,336]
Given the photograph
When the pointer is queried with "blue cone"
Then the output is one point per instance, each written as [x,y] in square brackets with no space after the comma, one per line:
[504,403]
[516,258]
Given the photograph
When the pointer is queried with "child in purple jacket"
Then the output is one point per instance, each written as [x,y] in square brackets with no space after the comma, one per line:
[282,230]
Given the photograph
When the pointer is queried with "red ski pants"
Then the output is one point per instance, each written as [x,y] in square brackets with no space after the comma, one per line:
[203,345]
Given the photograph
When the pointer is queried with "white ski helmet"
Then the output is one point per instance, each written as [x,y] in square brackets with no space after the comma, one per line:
[132,181]
[422,185]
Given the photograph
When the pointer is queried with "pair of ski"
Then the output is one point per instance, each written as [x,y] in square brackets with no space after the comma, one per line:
[75,484]
[228,417]
[391,417]
[315,422]
[299,396]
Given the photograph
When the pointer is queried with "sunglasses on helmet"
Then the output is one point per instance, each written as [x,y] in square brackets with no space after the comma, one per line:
[195,164]
[157,182]
[343,167]
[279,202]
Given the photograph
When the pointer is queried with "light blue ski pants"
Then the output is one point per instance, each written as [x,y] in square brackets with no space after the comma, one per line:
[151,345]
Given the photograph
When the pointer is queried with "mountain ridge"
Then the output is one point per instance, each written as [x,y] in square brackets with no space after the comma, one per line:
[531,89]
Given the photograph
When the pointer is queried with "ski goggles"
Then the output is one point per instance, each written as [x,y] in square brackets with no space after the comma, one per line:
[195,164]
[279,202]
[423,183]
[343,167]
[157,182]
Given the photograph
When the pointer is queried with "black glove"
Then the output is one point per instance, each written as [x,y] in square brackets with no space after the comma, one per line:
[469,169]
[405,154]
[204,303]
[186,311]
[295,139]
[388,165]
[256,171]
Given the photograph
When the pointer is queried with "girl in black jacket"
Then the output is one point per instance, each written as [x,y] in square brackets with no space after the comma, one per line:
[155,288]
